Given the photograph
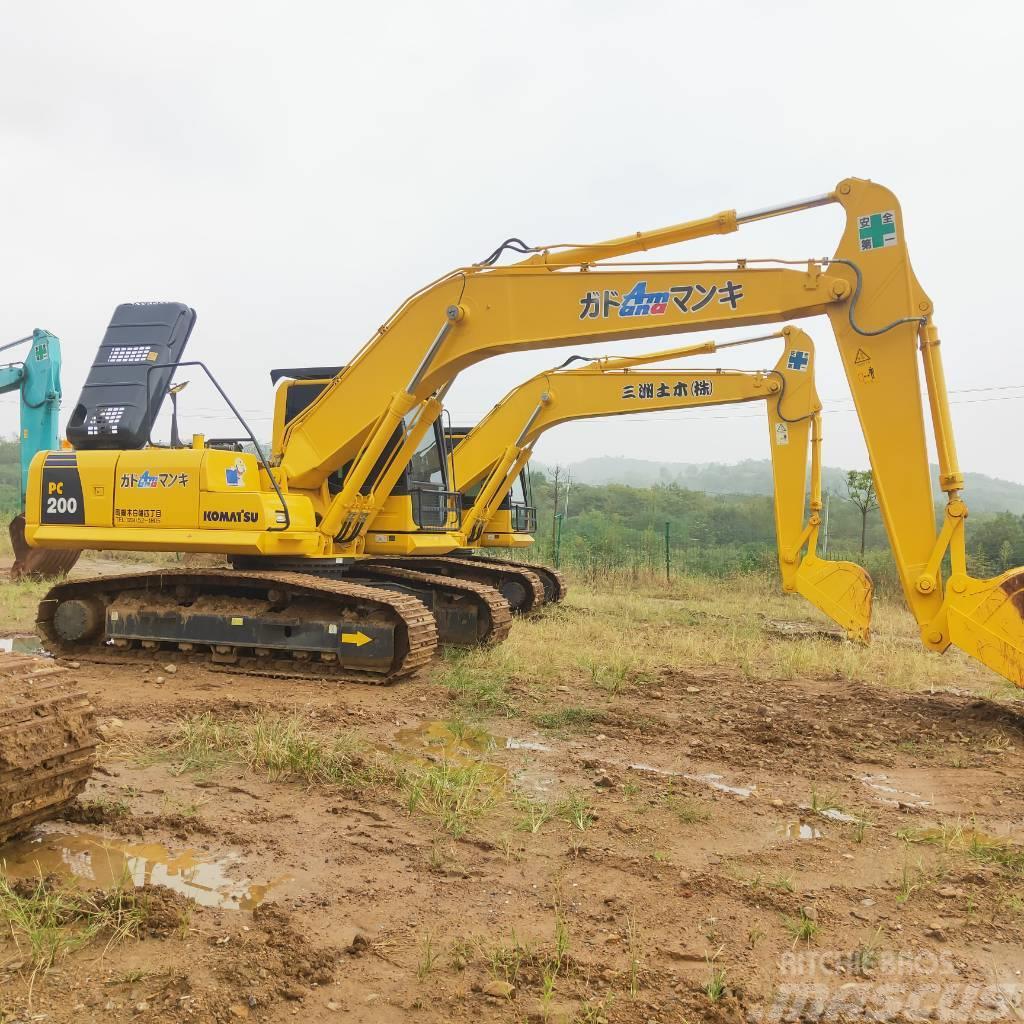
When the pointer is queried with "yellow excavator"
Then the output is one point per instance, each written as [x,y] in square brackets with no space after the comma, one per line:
[489,459]
[298,527]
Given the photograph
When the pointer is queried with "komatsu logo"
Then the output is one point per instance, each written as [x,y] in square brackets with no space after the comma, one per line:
[234,516]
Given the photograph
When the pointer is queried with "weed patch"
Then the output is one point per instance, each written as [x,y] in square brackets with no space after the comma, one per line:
[572,717]
[455,794]
[475,684]
[968,841]
[48,918]
[284,749]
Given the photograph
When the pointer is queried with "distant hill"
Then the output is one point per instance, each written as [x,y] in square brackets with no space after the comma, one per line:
[754,476]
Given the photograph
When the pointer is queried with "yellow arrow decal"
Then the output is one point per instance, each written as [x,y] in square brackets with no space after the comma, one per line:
[356,638]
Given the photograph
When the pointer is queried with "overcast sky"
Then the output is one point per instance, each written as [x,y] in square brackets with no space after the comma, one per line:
[294,170]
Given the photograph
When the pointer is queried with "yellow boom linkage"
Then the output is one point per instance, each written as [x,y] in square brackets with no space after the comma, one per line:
[881,317]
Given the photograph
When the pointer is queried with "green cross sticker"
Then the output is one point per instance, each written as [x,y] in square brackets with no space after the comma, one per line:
[877,230]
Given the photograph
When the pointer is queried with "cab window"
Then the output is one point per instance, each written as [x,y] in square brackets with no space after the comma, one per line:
[427,465]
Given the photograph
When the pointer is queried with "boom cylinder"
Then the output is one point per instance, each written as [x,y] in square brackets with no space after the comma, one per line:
[950,477]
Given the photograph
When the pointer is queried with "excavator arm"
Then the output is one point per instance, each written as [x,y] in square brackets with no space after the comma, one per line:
[605,387]
[881,317]
[615,387]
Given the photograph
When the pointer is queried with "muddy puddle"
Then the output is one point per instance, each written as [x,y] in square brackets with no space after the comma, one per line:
[101,862]
[717,782]
[466,746]
[27,644]
[885,792]
[801,830]
[455,739]
[711,779]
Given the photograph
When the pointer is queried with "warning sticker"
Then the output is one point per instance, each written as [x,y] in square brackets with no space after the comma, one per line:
[861,356]
[781,434]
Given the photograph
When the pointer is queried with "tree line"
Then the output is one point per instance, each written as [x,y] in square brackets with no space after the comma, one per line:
[619,525]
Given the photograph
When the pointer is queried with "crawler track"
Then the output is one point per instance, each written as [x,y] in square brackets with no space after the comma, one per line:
[555,587]
[47,742]
[490,616]
[520,585]
[282,624]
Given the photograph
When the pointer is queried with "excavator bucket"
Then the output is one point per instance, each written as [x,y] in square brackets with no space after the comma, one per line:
[842,590]
[986,620]
[37,563]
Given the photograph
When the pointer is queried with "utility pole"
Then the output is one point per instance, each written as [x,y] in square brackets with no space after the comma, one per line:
[668,562]
[554,513]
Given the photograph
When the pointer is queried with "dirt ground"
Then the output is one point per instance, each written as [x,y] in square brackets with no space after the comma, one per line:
[689,843]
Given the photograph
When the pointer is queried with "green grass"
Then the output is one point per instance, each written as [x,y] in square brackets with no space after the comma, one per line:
[47,920]
[570,643]
[906,886]
[609,673]
[860,827]
[282,748]
[821,802]
[475,684]
[576,809]
[533,814]
[802,928]
[18,602]
[689,812]
[573,717]
[634,943]
[967,840]
[505,961]
[455,794]
[714,989]
[98,810]
[429,954]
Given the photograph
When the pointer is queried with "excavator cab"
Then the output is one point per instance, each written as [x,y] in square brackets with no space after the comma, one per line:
[522,512]
[422,500]
[515,520]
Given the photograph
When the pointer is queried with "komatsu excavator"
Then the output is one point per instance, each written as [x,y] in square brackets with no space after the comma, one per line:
[293,524]
[489,459]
